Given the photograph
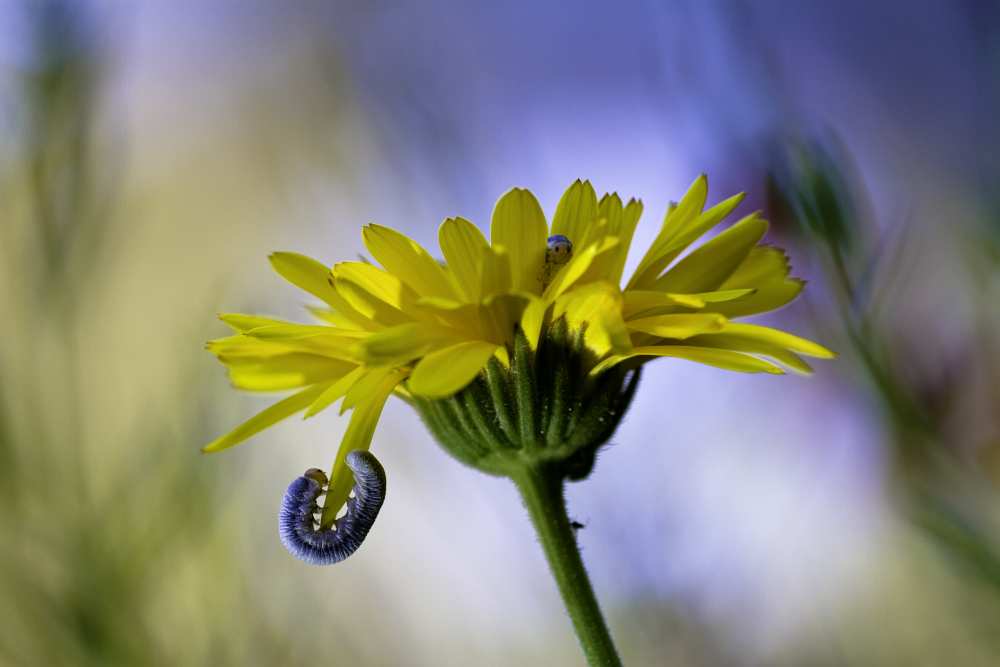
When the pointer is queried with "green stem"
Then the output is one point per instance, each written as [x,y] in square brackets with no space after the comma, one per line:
[542,492]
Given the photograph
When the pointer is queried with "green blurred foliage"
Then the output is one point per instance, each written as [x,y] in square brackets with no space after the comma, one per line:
[939,476]
[812,180]
[120,542]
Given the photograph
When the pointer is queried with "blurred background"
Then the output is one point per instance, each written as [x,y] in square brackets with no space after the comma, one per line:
[153,153]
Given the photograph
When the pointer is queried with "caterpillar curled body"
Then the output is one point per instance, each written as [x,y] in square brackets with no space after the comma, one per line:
[326,546]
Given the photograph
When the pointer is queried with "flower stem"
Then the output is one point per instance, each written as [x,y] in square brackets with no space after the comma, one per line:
[542,492]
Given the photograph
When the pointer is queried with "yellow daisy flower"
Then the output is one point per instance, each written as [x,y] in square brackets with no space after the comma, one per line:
[453,336]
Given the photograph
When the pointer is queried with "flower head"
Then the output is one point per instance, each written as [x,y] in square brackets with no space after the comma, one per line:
[425,329]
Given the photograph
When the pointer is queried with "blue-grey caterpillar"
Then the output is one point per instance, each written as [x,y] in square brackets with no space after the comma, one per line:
[326,546]
[558,251]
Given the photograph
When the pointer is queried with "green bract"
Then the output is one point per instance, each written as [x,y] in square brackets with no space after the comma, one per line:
[546,408]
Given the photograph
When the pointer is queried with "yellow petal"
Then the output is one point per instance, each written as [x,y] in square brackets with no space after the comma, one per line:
[244,346]
[463,246]
[305,273]
[406,259]
[611,210]
[283,371]
[682,226]
[764,264]
[576,210]
[593,232]
[446,371]
[463,318]
[366,386]
[683,300]
[722,296]
[518,225]
[335,391]
[378,283]
[710,265]
[755,332]
[680,325]
[359,434]
[286,337]
[687,233]
[499,315]
[532,320]
[624,230]
[766,270]
[691,203]
[325,341]
[241,346]
[653,262]
[346,312]
[640,303]
[280,330]
[332,316]
[643,303]
[725,359]
[240,322]
[438,304]
[598,307]
[602,267]
[400,344]
[268,417]
[377,312]
[781,355]
[766,298]
[695,227]
[494,272]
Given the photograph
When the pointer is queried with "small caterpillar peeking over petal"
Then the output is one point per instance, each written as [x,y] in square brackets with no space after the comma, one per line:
[297,524]
[558,251]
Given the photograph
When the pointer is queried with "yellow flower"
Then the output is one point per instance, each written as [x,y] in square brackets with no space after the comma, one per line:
[424,329]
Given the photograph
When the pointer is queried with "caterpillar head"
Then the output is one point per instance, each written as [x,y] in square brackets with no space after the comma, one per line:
[316,475]
[559,250]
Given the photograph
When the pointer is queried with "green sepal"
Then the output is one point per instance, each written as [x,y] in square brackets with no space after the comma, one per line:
[523,364]
[557,377]
[542,410]
[498,380]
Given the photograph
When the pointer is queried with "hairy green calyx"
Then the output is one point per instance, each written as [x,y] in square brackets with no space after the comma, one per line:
[543,409]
